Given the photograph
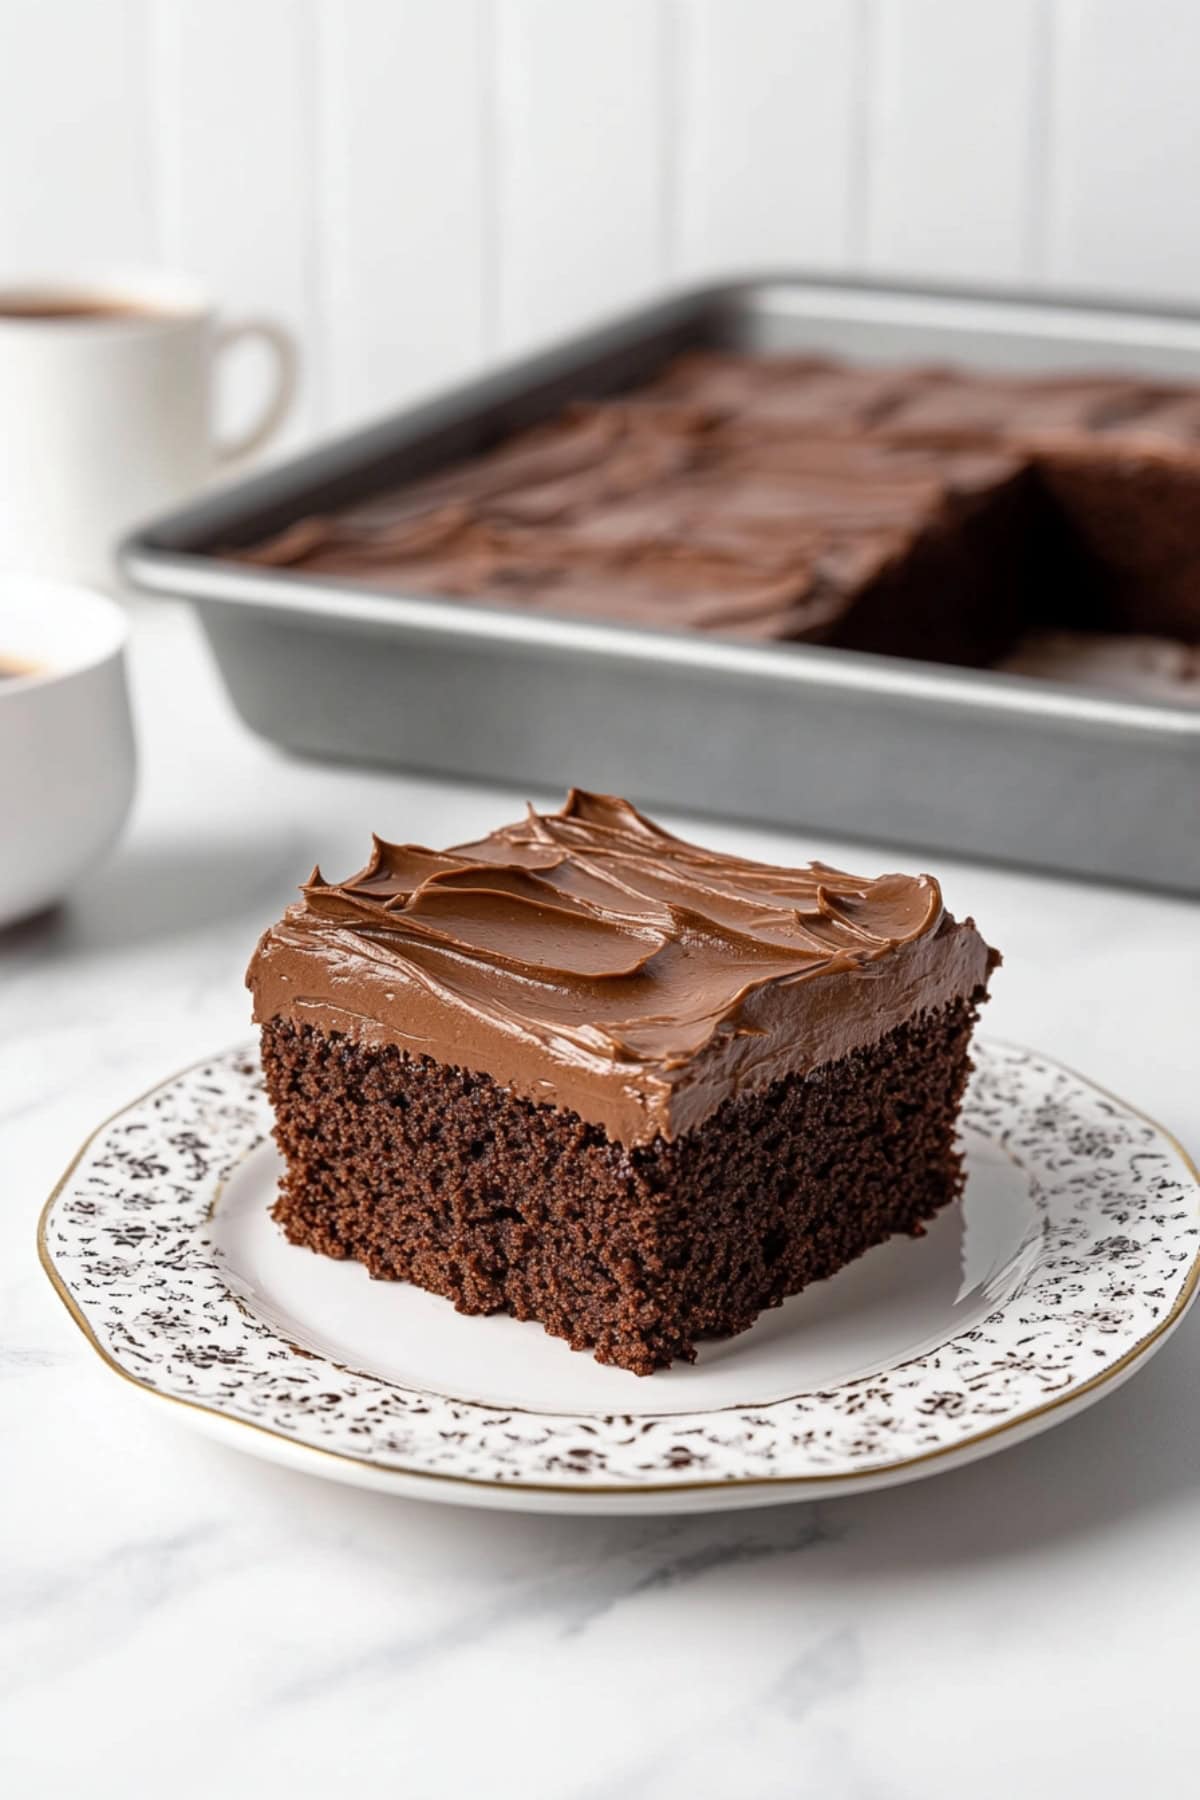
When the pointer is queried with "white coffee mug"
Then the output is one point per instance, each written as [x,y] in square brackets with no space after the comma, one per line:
[106,405]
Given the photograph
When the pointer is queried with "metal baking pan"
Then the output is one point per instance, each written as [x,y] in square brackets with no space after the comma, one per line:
[998,766]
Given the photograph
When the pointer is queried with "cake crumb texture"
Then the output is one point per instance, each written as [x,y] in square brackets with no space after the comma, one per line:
[433,1175]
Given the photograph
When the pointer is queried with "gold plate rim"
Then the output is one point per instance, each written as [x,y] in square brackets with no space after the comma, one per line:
[877,1474]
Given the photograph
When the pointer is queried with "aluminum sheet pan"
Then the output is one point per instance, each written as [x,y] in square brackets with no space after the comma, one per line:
[970,761]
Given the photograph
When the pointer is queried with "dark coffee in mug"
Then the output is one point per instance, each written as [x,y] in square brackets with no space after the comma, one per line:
[73,308]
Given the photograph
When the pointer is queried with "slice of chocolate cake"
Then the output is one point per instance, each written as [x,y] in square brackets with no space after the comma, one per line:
[1119,461]
[596,1076]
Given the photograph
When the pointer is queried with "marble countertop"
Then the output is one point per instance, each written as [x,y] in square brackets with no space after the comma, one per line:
[178,1618]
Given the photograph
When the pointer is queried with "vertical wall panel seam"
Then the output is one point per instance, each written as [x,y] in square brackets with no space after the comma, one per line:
[1062,132]
[1039,172]
[672,49]
[319,228]
[489,149]
[504,99]
[863,139]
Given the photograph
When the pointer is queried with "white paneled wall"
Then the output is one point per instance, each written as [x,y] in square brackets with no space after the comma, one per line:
[416,186]
[1125,146]
[580,161]
[403,241]
[76,134]
[235,159]
[955,153]
[767,128]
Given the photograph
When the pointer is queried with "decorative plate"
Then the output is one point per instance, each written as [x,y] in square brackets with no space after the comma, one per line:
[1075,1251]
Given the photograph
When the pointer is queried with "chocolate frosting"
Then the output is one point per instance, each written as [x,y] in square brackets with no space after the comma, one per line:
[588,959]
[766,497]
[652,513]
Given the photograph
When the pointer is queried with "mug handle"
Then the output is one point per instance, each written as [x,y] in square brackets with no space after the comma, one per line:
[286,360]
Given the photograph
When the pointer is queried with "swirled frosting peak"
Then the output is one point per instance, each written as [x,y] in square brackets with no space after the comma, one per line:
[589,959]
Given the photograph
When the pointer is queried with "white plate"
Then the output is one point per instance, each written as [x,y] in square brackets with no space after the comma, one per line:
[1074,1253]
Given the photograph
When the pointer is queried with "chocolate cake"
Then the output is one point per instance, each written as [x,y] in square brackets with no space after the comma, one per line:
[595,1076]
[936,513]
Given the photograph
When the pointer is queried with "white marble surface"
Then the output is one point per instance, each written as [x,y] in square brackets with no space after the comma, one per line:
[178,1618]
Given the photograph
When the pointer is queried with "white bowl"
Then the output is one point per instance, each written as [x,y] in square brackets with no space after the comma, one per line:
[67,759]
